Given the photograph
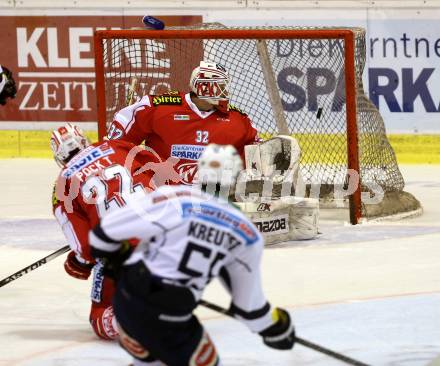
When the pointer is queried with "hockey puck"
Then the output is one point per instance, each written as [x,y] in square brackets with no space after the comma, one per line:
[319,113]
[153,23]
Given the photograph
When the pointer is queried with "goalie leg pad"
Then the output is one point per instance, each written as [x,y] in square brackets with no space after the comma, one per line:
[284,219]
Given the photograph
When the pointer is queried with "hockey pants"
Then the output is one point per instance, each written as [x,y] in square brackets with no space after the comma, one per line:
[156,321]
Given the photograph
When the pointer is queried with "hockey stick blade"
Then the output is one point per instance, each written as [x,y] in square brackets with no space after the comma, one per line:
[303,342]
[34,265]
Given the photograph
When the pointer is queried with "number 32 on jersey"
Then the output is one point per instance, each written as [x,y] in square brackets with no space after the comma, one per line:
[202,136]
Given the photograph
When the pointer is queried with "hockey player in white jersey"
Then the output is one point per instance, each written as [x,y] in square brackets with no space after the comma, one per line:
[186,238]
[8,89]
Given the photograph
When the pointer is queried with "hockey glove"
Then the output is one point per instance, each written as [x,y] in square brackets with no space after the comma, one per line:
[76,268]
[112,262]
[281,334]
[7,85]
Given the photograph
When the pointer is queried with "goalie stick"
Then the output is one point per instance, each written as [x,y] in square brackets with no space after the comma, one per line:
[34,265]
[301,341]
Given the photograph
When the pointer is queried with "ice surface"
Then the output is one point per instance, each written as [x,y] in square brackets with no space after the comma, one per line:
[371,292]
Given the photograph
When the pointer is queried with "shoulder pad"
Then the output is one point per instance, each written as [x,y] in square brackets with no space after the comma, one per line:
[234,108]
[169,98]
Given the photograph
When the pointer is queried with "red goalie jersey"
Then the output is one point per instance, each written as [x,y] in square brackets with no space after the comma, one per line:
[176,130]
[98,179]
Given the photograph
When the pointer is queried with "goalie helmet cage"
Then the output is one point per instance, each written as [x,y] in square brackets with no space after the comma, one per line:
[306,82]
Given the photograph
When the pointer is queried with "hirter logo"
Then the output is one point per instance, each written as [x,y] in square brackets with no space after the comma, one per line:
[167,100]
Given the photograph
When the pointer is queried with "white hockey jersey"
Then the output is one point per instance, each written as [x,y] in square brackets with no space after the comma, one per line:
[186,237]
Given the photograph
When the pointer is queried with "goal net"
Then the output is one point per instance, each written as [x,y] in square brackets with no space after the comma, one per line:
[303,82]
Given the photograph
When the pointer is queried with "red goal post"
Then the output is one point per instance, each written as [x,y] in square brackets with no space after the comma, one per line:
[121,54]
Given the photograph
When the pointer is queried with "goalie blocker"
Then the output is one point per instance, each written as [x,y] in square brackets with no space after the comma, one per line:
[275,192]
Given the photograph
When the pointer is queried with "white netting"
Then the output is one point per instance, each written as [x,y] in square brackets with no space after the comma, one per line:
[309,79]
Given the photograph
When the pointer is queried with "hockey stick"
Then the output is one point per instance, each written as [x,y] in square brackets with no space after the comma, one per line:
[131,91]
[298,340]
[34,265]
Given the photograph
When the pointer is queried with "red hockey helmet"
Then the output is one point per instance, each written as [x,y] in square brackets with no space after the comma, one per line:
[210,82]
[66,141]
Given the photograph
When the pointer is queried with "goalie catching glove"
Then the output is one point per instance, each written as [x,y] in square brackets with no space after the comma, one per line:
[77,267]
[281,334]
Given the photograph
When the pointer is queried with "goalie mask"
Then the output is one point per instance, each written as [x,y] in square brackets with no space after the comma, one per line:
[66,142]
[210,82]
[218,168]
[7,85]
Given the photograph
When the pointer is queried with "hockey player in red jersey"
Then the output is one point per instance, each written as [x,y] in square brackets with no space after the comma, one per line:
[95,179]
[182,125]
[186,238]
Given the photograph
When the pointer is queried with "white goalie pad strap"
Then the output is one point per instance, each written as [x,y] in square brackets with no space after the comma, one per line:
[284,219]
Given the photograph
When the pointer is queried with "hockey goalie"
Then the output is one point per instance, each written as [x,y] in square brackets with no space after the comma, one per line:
[271,192]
